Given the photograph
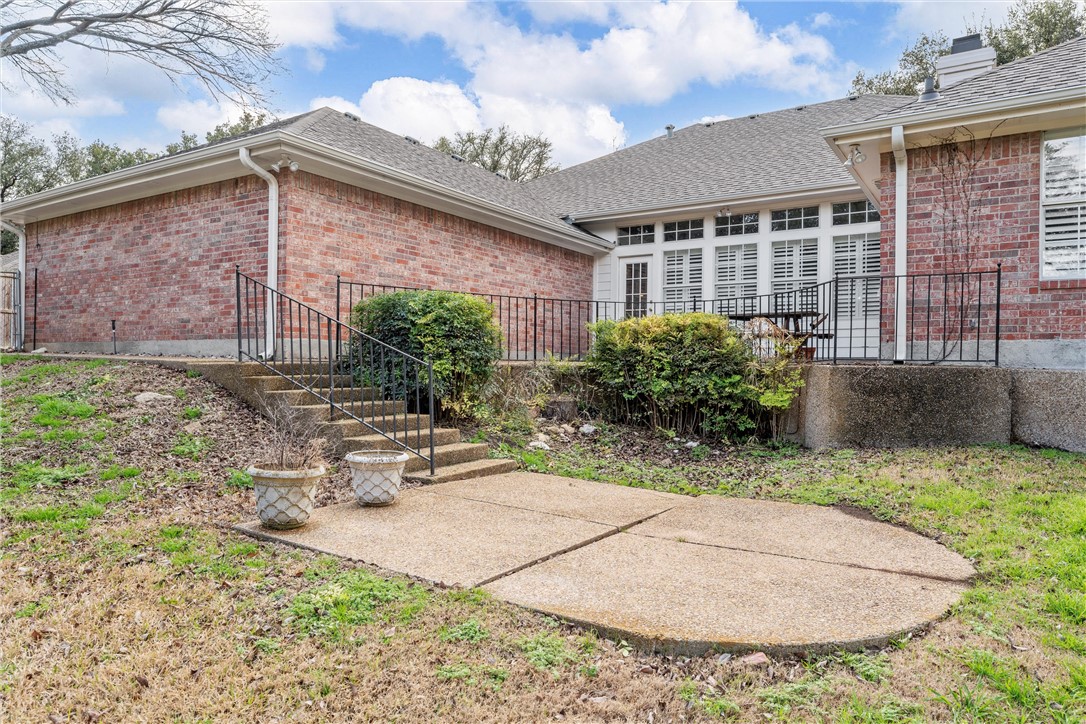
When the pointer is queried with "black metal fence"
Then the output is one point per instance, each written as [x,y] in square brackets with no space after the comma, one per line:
[388,391]
[948,317]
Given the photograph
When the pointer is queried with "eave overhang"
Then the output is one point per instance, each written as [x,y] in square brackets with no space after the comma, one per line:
[221,162]
[1061,108]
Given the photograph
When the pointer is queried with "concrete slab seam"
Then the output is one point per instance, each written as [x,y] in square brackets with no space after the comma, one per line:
[432,489]
[930,577]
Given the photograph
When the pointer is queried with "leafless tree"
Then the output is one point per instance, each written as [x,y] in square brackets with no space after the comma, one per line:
[223,44]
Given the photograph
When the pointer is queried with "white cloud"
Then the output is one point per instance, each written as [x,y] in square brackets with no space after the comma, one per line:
[428,110]
[552,13]
[823,20]
[713,119]
[952,17]
[197,117]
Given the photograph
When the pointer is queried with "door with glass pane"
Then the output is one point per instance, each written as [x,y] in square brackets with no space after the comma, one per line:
[635,275]
[857,263]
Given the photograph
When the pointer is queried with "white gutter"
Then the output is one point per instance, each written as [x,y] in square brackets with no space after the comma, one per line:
[956,113]
[273,247]
[20,232]
[901,231]
[710,203]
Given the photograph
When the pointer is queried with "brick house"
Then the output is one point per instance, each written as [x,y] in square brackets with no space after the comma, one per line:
[761,205]
[991,169]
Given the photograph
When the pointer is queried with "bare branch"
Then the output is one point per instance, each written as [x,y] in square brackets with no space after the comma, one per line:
[223,44]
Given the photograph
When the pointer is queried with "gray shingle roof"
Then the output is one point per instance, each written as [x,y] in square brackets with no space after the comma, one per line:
[765,154]
[374,144]
[1060,67]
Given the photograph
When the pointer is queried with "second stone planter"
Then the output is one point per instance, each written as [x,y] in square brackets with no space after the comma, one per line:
[376,475]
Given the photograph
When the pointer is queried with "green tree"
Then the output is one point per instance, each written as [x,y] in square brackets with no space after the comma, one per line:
[249,121]
[917,62]
[519,157]
[1031,26]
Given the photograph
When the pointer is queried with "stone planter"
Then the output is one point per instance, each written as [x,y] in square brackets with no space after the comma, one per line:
[285,498]
[375,475]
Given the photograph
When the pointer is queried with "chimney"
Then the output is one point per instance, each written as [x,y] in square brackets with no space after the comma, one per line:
[670,128]
[968,57]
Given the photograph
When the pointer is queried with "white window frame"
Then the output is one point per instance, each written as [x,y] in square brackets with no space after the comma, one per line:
[800,249]
[684,230]
[741,270]
[849,217]
[683,289]
[642,236]
[1074,209]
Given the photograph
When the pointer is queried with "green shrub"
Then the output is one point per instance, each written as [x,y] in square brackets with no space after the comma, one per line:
[691,373]
[456,331]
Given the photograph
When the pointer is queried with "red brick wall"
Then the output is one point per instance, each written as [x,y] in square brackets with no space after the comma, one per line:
[1006,186]
[333,227]
[163,266]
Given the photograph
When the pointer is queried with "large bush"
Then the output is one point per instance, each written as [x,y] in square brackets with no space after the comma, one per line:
[682,372]
[456,331]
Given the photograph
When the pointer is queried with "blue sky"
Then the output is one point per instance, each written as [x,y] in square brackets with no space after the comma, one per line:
[591,76]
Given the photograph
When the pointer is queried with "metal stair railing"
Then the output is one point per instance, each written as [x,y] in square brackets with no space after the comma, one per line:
[314,351]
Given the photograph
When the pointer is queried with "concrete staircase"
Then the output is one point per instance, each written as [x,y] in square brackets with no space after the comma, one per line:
[454,458]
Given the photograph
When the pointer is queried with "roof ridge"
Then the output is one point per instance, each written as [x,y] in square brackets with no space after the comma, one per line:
[307,119]
[1017,61]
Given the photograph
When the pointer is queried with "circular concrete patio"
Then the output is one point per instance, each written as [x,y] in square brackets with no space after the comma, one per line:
[664,571]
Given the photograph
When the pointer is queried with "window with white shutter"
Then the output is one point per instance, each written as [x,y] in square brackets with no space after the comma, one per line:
[795,264]
[736,271]
[682,280]
[1063,239]
[857,255]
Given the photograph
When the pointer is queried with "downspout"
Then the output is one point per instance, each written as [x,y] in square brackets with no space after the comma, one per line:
[273,248]
[20,232]
[901,231]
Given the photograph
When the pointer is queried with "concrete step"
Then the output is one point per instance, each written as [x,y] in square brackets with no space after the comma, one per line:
[442,436]
[464,471]
[448,455]
[365,409]
[343,428]
[272,381]
[298,397]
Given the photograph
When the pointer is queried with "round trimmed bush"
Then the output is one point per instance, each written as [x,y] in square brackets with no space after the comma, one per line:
[456,331]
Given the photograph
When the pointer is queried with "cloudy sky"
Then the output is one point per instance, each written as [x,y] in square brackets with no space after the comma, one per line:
[591,76]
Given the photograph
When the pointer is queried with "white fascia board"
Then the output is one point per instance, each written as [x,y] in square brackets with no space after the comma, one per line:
[171,173]
[799,193]
[330,162]
[932,120]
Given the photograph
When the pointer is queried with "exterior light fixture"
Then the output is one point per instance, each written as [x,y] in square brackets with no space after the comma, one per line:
[726,211]
[855,156]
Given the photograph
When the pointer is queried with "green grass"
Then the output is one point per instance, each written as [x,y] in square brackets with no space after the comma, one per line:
[191,413]
[869,667]
[116,471]
[27,477]
[192,447]
[56,411]
[238,479]
[352,599]
[546,651]
[784,700]
[470,631]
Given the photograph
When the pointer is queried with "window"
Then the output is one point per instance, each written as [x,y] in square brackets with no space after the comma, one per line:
[736,224]
[795,264]
[637,288]
[629,235]
[736,271]
[683,230]
[857,255]
[854,212]
[805,217]
[1063,242]
[682,280]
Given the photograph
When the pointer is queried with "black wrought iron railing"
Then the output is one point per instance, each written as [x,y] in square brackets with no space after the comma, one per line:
[389,392]
[948,317]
